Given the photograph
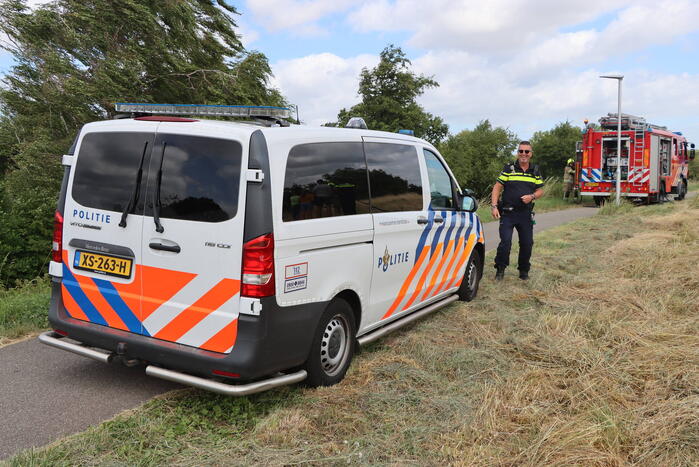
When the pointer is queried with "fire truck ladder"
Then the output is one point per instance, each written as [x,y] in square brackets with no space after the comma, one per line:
[639,145]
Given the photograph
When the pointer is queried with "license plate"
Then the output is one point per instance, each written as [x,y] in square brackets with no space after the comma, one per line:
[591,184]
[103,264]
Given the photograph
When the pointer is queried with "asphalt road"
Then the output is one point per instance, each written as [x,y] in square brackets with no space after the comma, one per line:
[46,394]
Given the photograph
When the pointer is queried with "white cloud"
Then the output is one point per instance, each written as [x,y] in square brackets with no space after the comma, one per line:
[495,26]
[471,89]
[321,84]
[248,35]
[300,16]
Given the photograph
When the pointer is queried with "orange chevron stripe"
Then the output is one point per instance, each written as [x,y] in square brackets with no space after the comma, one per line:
[160,285]
[404,288]
[423,277]
[151,288]
[445,255]
[446,277]
[93,294]
[207,303]
[224,339]
[462,260]
[71,306]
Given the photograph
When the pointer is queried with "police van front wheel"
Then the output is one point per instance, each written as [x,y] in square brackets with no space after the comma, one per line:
[472,277]
[333,345]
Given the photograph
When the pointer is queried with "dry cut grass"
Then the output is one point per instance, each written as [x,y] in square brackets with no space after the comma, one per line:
[593,362]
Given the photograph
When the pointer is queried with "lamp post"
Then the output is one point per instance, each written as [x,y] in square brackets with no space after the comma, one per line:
[619,78]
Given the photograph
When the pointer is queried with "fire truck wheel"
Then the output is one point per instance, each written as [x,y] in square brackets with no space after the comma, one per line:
[682,190]
[472,277]
[599,201]
[333,345]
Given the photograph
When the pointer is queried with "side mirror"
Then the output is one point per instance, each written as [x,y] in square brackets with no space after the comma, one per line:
[692,151]
[469,203]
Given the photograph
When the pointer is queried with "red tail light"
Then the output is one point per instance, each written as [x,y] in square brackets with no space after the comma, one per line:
[258,267]
[57,251]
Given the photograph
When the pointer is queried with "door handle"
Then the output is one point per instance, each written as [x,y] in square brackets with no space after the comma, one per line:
[422,220]
[438,220]
[160,246]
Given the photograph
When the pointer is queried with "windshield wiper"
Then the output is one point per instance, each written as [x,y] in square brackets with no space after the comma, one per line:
[156,211]
[136,191]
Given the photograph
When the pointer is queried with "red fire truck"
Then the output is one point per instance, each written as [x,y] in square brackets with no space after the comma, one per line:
[654,161]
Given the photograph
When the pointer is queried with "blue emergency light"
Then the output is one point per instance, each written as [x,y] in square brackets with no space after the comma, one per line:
[407,132]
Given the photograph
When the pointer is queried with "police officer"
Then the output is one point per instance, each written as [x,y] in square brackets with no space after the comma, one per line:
[520,184]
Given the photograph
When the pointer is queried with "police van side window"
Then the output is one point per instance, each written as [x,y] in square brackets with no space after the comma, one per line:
[107,167]
[394,175]
[200,178]
[441,193]
[325,180]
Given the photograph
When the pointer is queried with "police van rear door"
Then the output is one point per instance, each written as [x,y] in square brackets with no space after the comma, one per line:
[103,223]
[192,235]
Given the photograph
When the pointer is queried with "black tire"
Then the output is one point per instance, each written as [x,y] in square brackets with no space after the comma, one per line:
[333,345]
[600,200]
[472,277]
[682,190]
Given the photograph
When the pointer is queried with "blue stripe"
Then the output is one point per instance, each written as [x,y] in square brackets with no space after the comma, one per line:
[470,227]
[449,232]
[462,215]
[437,233]
[81,299]
[110,293]
[425,234]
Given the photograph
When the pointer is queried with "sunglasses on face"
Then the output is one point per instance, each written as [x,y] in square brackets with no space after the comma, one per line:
[524,151]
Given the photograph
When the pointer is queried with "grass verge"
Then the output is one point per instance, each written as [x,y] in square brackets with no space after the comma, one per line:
[23,309]
[593,361]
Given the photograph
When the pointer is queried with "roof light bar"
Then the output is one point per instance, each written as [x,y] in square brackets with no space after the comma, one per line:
[250,111]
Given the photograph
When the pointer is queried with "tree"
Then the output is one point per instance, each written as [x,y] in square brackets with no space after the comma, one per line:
[477,156]
[552,148]
[74,60]
[389,92]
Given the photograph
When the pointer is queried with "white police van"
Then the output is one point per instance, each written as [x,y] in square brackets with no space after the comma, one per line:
[238,257]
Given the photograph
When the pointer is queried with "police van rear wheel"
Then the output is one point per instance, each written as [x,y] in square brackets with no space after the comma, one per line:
[333,345]
[472,278]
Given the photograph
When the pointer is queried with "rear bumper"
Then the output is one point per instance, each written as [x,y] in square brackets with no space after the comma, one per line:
[278,339]
[55,340]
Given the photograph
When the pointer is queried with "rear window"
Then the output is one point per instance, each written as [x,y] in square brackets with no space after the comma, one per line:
[200,177]
[106,171]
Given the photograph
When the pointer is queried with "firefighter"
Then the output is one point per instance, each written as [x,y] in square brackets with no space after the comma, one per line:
[520,184]
[568,178]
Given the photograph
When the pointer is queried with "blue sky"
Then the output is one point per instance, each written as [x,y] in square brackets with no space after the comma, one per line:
[522,64]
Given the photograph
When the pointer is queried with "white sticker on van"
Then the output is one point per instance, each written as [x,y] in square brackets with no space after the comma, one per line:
[296,276]
[296,270]
[291,285]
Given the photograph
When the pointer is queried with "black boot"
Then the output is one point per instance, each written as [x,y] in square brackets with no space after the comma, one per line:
[524,275]
[499,274]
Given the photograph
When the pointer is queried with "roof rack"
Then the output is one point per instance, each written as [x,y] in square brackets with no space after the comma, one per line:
[258,112]
[628,122]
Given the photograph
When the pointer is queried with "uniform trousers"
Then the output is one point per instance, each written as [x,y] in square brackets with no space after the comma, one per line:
[522,221]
